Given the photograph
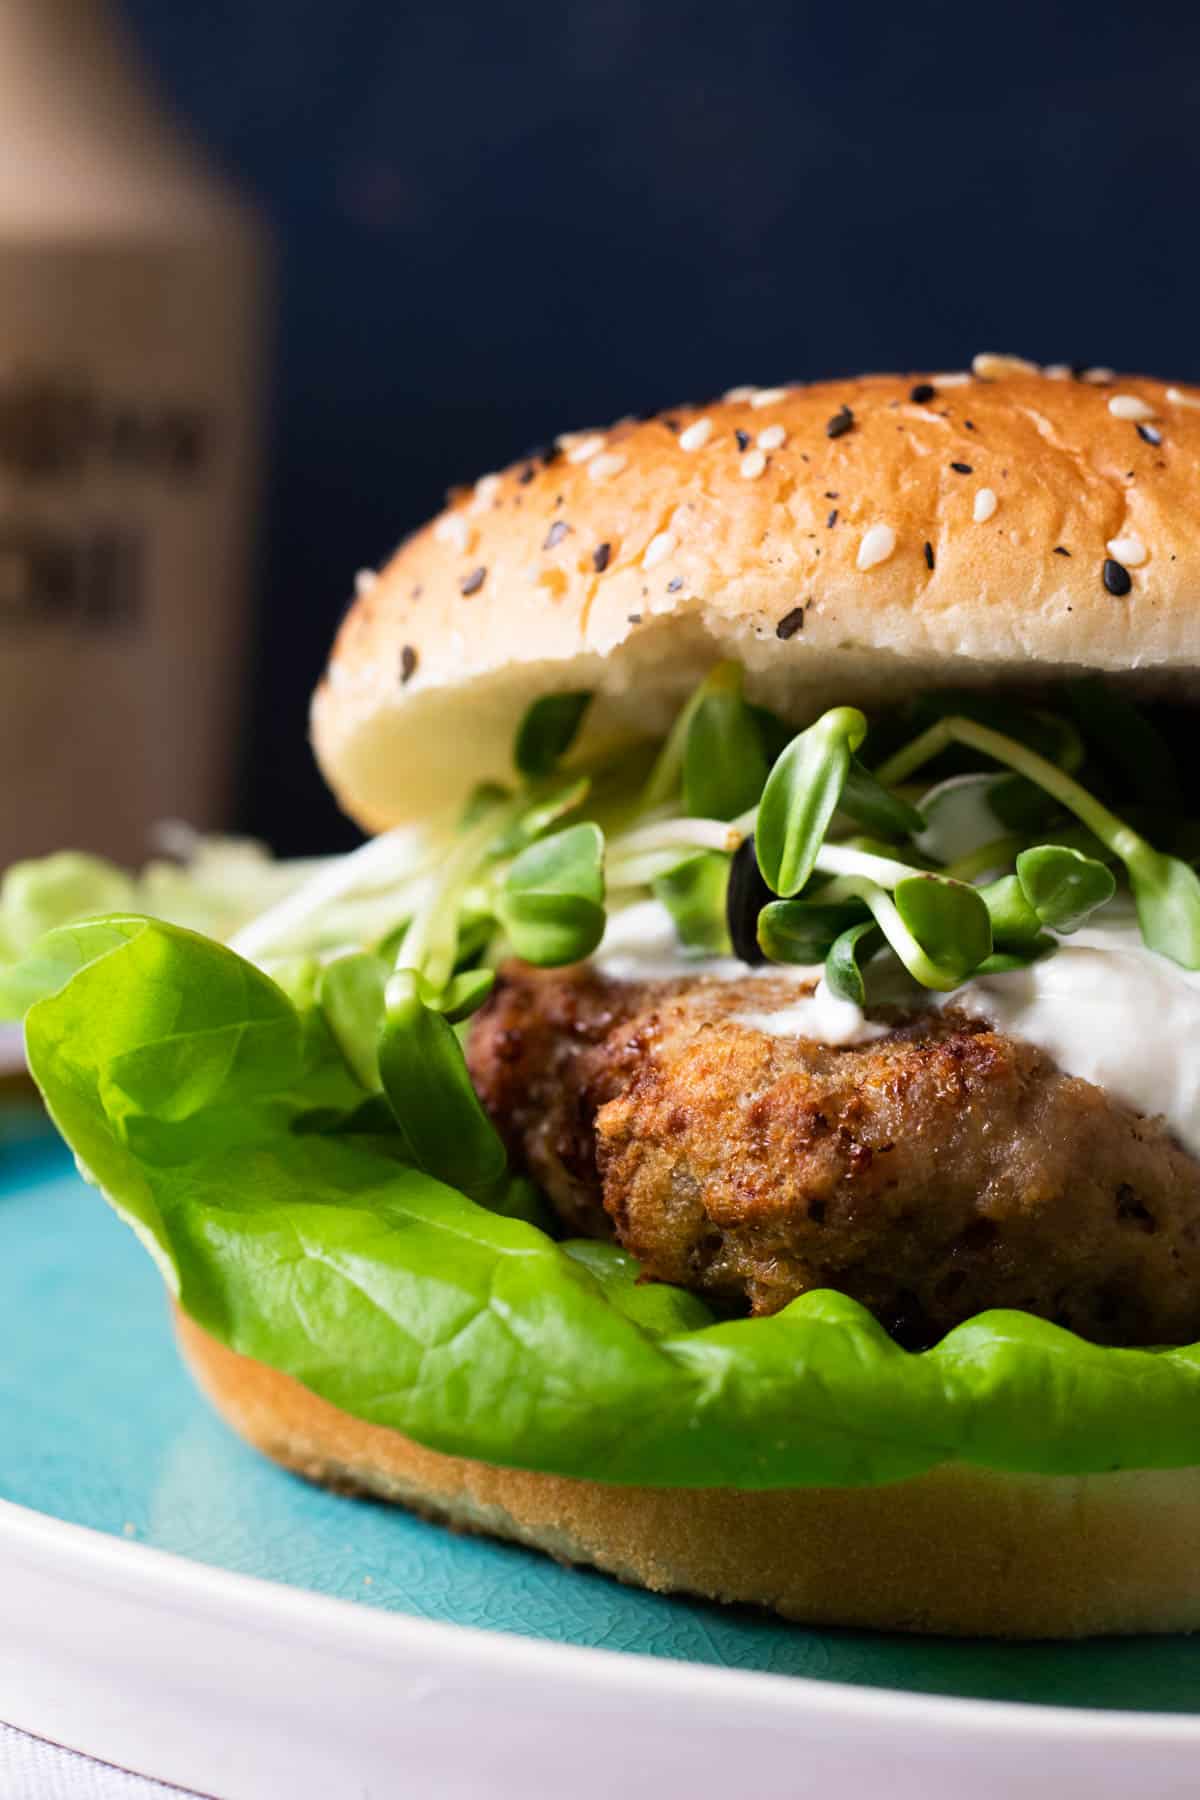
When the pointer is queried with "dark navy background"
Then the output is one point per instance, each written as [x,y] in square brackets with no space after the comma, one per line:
[498,220]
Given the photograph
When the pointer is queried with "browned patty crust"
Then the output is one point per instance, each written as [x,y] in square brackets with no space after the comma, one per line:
[931,1174]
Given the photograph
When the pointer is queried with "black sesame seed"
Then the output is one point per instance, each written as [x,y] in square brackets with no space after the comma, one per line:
[527,474]
[408,663]
[841,422]
[970,424]
[600,556]
[831,493]
[831,521]
[471,584]
[962,468]
[1150,434]
[550,454]
[928,548]
[1061,550]
[675,583]
[743,439]
[1117,579]
[670,421]
[923,392]
[556,534]
[634,618]
[790,623]
[417,592]
[1079,370]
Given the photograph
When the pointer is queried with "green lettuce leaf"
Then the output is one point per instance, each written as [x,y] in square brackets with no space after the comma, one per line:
[222,1121]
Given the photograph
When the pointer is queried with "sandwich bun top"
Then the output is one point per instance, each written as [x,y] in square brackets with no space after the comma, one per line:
[852,540]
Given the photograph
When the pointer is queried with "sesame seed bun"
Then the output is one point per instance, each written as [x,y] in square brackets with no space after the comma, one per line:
[963,1551]
[853,540]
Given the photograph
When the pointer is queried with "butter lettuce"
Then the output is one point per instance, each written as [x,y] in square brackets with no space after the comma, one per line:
[227,1125]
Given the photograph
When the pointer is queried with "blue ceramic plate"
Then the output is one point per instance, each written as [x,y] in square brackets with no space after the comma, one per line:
[119,1441]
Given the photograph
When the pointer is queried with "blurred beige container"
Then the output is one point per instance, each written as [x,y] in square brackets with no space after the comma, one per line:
[130,383]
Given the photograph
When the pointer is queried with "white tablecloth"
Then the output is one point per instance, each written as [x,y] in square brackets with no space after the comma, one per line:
[31,1769]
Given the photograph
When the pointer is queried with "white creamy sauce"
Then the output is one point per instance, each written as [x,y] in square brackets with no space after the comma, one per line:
[958,817]
[820,1015]
[1103,1006]
[640,944]
[1107,1009]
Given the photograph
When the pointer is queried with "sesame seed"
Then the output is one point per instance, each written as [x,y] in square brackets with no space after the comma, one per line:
[556,534]
[1058,371]
[527,474]
[453,529]
[773,438]
[737,394]
[1098,376]
[364,581]
[1150,434]
[1061,550]
[1128,549]
[408,664]
[831,521]
[634,618]
[743,439]
[600,556]
[924,391]
[956,378]
[1129,406]
[962,468]
[696,435]
[675,583]
[611,463]
[985,505]
[928,550]
[1117,580]
[752,465]
[878,542]
[659,548]
[841,422]
[471,584]
[486,489]
[583,449]
[791,623]
[768,397]
[1178,398]
[991,367]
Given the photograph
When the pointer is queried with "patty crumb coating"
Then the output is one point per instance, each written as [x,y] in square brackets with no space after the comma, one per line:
[930,1174]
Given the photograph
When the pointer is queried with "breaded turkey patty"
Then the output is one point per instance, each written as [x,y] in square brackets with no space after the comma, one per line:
[931,1174]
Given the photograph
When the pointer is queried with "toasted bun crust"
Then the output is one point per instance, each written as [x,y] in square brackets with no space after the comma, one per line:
[964,1551]
[627,561]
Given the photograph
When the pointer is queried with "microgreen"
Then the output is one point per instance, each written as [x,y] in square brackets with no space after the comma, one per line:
[939,929]
[801,797]
[843,970]
[1166,890]
[694,895]
[724,762]
[866,799]
[351,996]
[1063,886]
[551,903]
[442,1125]
[804,931]
[547,731]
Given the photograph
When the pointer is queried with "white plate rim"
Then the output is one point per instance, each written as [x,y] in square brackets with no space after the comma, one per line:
[351,1627]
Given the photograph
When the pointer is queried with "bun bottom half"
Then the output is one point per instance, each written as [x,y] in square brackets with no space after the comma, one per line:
[960,1551]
